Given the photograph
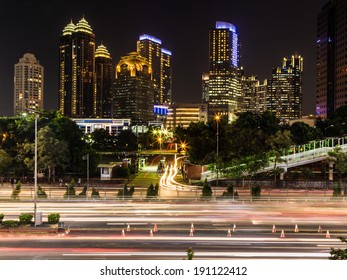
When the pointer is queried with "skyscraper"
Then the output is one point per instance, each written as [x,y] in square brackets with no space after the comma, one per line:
[331,58]
[253,95]
[160,62]
[28,84]
[224,89]
[285,93]
[77,71]
[133,89]
[104,82]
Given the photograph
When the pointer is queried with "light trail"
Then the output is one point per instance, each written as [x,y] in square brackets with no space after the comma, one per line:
[168,178]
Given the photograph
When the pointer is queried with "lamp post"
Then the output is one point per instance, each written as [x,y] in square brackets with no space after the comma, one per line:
[35,165]
[217,119]
[35,173]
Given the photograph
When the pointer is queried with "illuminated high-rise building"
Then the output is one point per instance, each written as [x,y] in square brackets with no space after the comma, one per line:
[205,81]
[133,90]
[253,95]
[183,114]
[104,82]
[77,71]
[28,84]
[331,63]
[224,88]
[285,92]
[160,62]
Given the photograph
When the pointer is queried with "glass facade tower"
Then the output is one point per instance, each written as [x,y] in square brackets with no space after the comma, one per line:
[331,79]
[224,88]
[77,95]
[160,62]
[104,82]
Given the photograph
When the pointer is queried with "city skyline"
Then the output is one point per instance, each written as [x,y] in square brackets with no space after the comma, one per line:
[267,34]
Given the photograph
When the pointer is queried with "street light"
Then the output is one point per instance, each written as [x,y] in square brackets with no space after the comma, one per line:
[217,119]
[35,166]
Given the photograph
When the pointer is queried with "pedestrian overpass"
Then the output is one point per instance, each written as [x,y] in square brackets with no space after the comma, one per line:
[314,151]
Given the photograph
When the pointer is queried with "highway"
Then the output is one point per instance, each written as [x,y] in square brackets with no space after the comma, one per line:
[215,230]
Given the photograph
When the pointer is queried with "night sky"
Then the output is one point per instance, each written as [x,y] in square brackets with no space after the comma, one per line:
[269,30]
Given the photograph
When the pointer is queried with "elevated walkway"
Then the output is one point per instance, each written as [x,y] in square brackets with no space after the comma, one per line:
[314,151]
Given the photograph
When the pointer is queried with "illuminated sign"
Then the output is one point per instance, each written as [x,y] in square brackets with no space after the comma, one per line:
[160,110]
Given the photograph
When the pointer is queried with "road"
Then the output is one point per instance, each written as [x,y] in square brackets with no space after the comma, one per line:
[220,230]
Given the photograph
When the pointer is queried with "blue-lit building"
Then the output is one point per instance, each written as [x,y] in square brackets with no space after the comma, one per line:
[160,62]
[224,77]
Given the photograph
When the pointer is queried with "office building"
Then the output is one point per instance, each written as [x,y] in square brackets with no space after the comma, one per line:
[224,87]
[104,82]
[160,62]
[331,82]
[205,81]
[133,90]
[285,92]
[253,95]
[77,71]
[182,114]
[28,84]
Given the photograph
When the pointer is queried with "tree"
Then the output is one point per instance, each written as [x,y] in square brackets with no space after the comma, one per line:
[307,173]
[67,130]
[5,162]
[126,141]
[278,144]
[338,254]
[102,140]
[249,133]
[122,172]
[302,133]
[339,158]
[52,152]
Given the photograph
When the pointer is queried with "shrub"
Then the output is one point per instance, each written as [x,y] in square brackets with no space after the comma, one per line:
[10,223]
[18,185]
[70,189]
[25,218]
[53,218]
[127,192]
[15,194]
[256,191]
[152,191]
[206,190]
[41,192]
[337,190]
[83,192]
[95,193]
[1,217]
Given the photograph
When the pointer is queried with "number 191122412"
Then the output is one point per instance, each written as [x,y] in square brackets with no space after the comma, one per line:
[219,270]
